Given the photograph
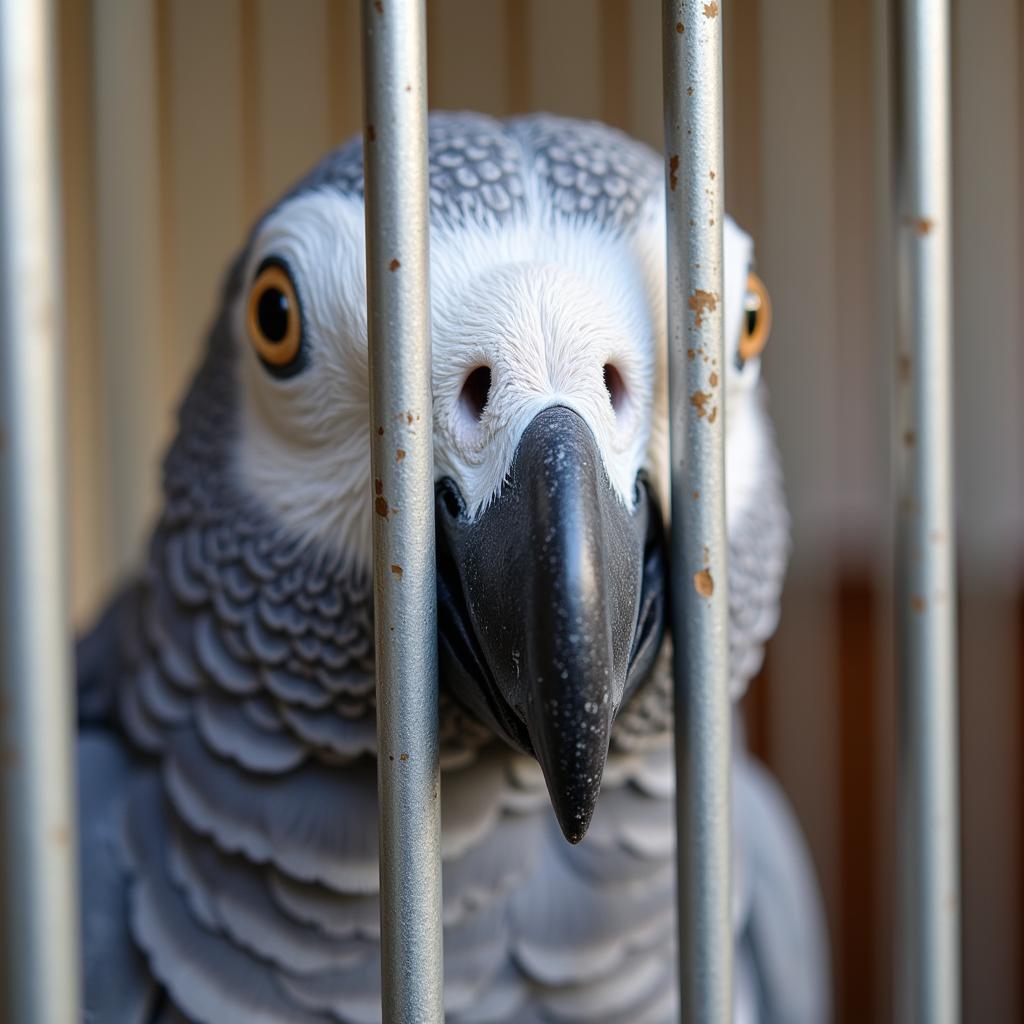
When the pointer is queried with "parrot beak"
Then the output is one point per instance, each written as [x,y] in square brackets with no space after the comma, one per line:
[551,606]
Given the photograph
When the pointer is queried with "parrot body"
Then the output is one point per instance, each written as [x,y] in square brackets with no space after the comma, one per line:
[227,736]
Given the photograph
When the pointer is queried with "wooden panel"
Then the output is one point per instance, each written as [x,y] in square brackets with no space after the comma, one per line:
[991,801]
[988,271]
[863,442]
[796,256]
[467,55]
[742,70]
[87,469]
[206,199]
[344,70]
[881,562]
[129,269]
[988,367]
[565,57]
[616,65]
[645,102]
[292,58]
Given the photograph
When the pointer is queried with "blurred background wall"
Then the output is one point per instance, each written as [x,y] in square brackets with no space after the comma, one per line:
[182,119]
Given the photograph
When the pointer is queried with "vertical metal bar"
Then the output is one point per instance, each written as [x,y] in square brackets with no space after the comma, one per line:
[405,612]
[930,933]
[38,901]
[692,65]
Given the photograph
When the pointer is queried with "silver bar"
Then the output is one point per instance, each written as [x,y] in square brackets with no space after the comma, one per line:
[38,901]
[930,889]
[692,67]
[405,608]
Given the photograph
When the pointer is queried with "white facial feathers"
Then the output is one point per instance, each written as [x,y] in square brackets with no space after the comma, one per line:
[545,304]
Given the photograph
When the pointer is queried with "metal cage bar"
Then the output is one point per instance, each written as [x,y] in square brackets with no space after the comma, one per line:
[929,971]
[692,67]
[39,903]
[405,609]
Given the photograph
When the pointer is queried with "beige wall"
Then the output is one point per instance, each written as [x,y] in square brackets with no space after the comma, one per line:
[181,119]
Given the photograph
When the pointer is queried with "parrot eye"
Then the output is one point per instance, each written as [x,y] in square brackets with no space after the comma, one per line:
[274,320]
[757,319]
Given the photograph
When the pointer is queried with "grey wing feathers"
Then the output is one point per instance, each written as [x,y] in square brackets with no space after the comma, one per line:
[784,942]
[118,986]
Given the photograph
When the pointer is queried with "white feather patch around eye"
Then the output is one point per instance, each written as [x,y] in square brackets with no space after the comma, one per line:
[545,306]
[304,447]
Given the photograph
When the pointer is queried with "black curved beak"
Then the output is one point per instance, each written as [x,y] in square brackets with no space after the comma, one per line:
[551,606]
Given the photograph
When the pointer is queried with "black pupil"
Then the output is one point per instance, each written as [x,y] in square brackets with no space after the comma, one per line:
[751,320]
[273,314]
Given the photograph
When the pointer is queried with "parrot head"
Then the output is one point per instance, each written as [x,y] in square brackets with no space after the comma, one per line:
[550,414]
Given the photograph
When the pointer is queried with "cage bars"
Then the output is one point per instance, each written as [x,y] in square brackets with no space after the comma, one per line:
[39,905]
[401,432]
[692,68]
[929,965]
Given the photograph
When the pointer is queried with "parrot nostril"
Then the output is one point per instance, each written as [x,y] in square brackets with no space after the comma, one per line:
[616,386]
[475,392]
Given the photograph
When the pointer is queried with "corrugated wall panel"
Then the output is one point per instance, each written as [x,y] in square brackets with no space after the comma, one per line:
[129,271]
[467,55]
[204,138]
[294,102]
[796,245]
[565,57]
[344,70]
[989,390]
[87,479]
[181,120]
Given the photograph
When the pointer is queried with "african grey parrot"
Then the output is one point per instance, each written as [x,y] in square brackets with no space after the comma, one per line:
[227,736]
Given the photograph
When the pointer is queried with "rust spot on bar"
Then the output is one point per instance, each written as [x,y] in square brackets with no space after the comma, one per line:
[711,9]
[399,455]
[673,172]
[380,431]
[378,6]
[394,265]
[917,603]
[695,495]
[713,415]
[396,571]
[381,507]
[378,487]
[703,583]
[679,27]
[920,225]
[403,757]
[712,173]
[910,438]
[713,379]
[904,366]
[702,302]
[371,133]
[689,90]
[690,354]
[699,400]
